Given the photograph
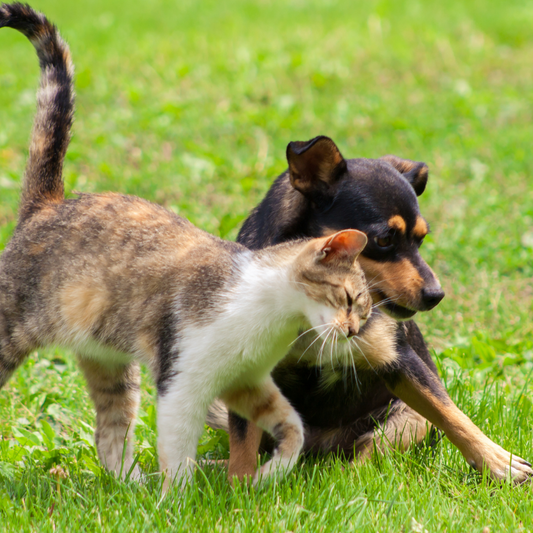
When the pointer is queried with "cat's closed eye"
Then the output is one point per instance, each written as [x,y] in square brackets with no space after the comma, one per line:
[349,300]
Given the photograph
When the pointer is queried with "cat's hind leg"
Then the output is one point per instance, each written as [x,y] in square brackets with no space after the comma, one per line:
[270,410]
[15,345]
[115,391]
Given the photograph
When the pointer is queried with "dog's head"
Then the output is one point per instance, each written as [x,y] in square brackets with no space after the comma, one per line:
[378,197]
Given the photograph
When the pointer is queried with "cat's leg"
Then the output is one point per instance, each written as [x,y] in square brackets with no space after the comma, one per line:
[115,391]
[182,406]
[15,345]
[269,409]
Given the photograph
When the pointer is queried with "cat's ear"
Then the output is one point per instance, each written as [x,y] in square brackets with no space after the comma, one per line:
[343,246]
[415,172]
[315,166]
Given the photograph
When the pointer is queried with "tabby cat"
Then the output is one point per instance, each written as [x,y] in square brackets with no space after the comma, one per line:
[122,281]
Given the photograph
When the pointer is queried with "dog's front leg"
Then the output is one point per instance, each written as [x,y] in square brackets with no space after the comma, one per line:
[244,442]
[409,378]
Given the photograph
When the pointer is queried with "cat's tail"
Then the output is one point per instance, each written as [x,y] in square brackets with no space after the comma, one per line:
[217,416]
[55,107]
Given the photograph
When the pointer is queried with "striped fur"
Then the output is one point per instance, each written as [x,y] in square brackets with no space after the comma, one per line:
[55,107]
[121,281]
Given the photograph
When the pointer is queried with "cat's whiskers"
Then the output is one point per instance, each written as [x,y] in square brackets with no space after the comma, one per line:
[356,377]
[311,344]
[346,364]
[321,351]
[369,284]
[354,342]
[333,344]
[359,338]
[307,331]
[385,301]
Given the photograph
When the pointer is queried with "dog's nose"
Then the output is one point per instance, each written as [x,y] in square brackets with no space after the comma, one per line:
[431,297]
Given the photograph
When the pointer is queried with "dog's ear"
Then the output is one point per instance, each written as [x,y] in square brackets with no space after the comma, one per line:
[415,172]
[315,166]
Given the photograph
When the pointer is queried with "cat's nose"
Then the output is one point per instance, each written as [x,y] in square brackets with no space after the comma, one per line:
[352,330]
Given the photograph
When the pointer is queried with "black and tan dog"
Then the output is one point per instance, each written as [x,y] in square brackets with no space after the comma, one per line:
[387,393]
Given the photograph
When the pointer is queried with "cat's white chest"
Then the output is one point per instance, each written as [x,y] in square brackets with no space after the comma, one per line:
[231,357]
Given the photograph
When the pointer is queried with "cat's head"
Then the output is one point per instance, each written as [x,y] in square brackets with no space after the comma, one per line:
[326,270]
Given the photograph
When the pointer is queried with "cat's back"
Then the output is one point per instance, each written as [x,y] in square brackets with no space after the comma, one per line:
[111,223]
[128,244]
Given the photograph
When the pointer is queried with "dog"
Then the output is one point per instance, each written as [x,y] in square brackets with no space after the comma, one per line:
[388,395]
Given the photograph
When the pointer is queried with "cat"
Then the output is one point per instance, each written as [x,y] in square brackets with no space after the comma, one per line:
[122,281]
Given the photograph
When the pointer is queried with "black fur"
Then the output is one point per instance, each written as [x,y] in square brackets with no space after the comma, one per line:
[238,426]
[166,352]
[409,365]
[361,194]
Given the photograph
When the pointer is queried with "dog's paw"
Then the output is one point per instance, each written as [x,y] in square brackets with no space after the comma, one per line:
[520,470]
[501,464]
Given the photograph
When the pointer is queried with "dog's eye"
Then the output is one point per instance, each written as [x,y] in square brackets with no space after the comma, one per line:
[420,242]
[383,242]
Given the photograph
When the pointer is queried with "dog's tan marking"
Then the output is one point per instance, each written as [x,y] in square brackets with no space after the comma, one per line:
[379,348]
[421,228]
[243,452]
[403,429]
[397,222]
[479,451]
[271,411]
[398,280]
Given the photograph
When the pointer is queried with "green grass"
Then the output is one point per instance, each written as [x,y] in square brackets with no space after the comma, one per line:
[191,104]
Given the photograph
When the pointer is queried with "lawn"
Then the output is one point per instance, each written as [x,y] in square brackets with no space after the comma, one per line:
[191,104]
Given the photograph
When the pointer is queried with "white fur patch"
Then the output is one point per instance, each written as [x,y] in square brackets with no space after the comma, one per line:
[239,348]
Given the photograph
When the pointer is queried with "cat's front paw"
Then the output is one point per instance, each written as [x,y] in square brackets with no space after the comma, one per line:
[134,475]
[275,469]
[501,464]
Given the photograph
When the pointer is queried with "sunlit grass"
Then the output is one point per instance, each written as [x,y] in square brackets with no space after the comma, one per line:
[191,104]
